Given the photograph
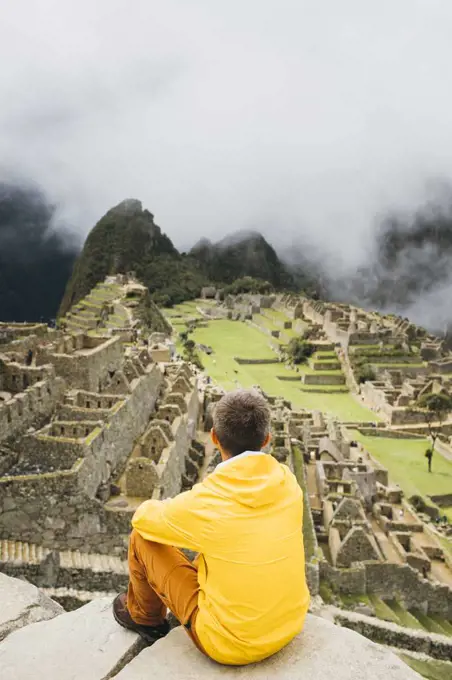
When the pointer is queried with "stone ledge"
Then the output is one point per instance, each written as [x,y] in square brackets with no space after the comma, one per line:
[86,644]
[22,604]
[321,652]
[394,635]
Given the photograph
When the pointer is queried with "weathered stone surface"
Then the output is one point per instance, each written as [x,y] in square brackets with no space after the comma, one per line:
[21,604]
[393,635]
[86,643]
[322,651]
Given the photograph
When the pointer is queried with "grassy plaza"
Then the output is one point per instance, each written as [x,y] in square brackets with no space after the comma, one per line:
[407,465]
[230,339]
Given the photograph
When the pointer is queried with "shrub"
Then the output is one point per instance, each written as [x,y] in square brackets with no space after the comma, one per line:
[248,284]
[364,373]
[299,351]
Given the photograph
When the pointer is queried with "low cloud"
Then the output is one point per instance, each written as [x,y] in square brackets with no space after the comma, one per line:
[308,121]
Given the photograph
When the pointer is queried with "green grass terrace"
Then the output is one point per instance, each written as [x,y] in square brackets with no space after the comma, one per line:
[231,339]
[407,465]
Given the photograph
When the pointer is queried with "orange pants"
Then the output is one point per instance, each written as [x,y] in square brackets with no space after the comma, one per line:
[161,577]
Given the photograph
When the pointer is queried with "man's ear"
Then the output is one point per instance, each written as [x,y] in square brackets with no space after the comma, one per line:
[267,440]
[214,438]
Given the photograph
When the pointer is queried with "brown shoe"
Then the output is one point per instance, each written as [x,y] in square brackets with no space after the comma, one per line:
[122,616]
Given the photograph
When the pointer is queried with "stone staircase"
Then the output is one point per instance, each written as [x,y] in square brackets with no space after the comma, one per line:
[74,559]
[15,552]
[71,577]
[85,314]
[29,553]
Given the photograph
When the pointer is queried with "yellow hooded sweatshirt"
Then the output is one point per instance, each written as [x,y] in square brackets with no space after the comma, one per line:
[246,521]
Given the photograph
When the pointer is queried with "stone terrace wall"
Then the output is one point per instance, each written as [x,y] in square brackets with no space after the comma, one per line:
[60,509]
[324,379]
[393,635]
[31,407]
[389,580]
[309,536]
[88,369]
[171,465]
[13,331]
[239,360]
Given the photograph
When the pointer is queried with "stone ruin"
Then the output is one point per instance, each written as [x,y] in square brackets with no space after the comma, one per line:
[91,424]
[96,415]
[369,538]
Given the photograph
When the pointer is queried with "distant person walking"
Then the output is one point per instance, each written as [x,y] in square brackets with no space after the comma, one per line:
[29,358]
[429,456]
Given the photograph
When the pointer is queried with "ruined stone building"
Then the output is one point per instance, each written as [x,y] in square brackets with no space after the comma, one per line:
[94,418]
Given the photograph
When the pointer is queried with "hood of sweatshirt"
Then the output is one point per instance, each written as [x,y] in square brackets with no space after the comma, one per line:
[254,480]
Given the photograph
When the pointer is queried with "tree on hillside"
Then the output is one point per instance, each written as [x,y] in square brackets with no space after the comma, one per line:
[436,408]
[364,373]
[298,350]
[248,284]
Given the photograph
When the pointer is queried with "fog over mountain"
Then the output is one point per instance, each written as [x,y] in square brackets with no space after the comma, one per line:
[36,257]
[313,123]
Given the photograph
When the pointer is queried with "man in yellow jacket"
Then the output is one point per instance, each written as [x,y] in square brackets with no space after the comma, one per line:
[245,597]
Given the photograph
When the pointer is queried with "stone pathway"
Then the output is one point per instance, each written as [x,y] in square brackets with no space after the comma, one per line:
[20,553]
[385,544]
[313,491]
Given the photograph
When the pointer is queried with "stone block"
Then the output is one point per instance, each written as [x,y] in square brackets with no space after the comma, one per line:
[86,643]
[396,636]
[22,603]
[320,651]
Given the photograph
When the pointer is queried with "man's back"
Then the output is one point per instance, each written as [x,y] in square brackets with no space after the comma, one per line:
[246,521]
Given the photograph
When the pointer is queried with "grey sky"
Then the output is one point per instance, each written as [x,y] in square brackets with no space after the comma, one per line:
[299,118]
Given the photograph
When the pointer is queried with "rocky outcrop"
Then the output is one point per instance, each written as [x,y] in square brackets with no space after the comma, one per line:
[86,644]
[322,651]
[127,239]
[391,634]
[243,254]
[89,644]
[22,604]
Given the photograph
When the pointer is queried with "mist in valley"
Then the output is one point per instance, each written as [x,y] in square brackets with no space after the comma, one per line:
[324,126]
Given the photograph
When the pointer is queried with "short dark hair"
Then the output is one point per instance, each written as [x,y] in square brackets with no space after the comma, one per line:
[241,420]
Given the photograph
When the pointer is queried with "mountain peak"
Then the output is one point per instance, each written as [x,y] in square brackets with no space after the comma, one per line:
[125,239]
[241,236]
[128,207]
[243,253]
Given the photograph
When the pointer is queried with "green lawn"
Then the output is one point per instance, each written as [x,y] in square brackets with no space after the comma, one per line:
[234,338]
[265,322]
[446,543]
[407,465]
[277,314]
[289,333]
[286,334]
[322,355]
[431,670]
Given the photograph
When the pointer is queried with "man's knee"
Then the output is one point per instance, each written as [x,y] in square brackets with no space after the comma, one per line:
[138,544]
